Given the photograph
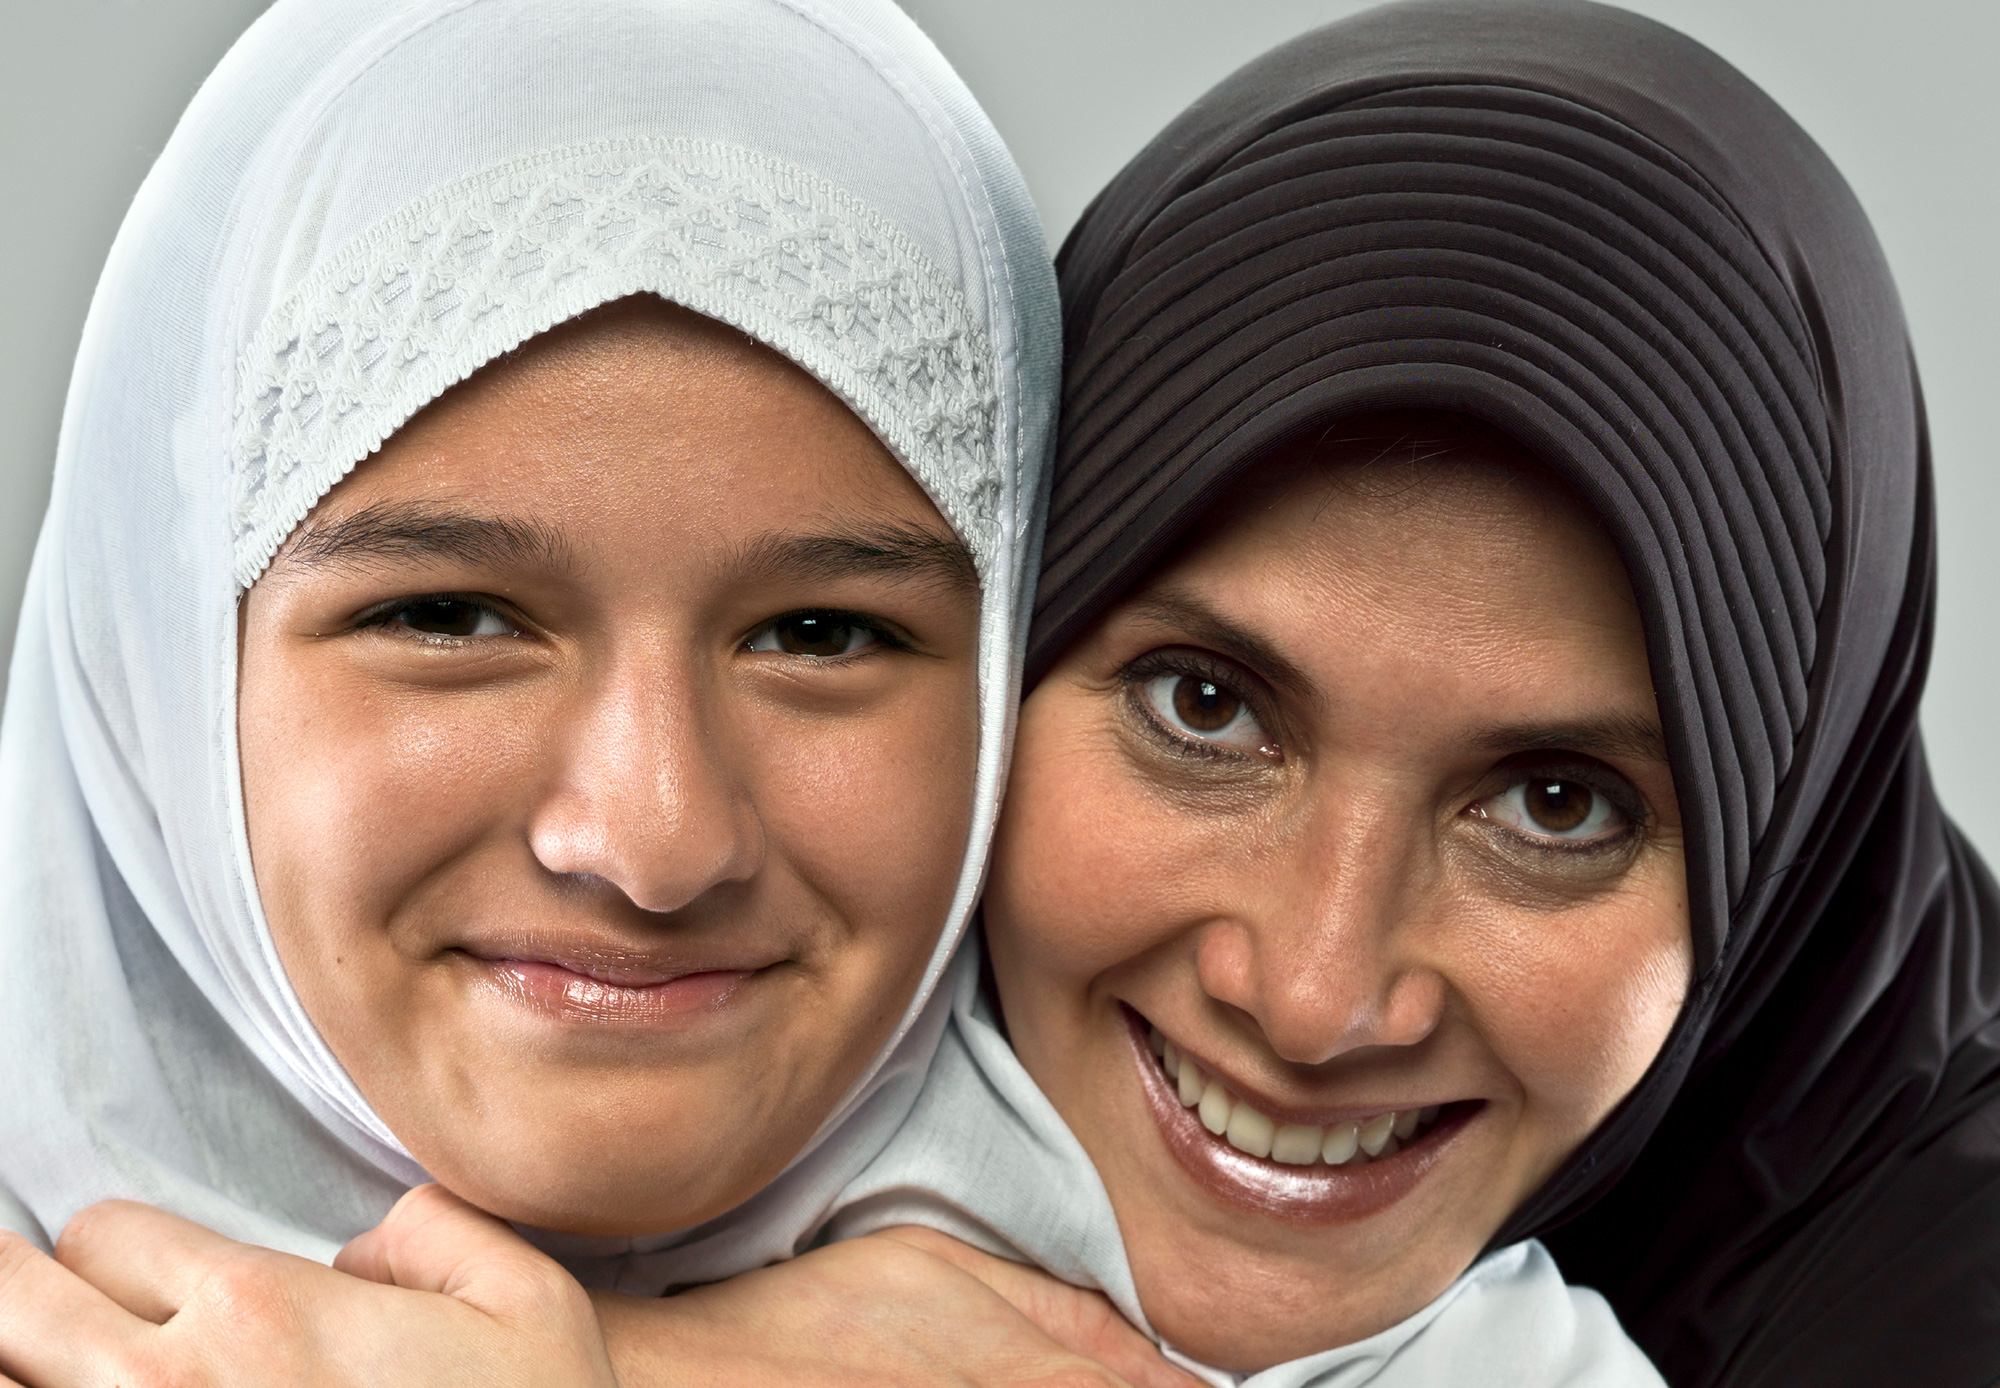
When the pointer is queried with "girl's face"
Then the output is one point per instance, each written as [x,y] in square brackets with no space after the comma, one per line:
[608,746]
[1340,893]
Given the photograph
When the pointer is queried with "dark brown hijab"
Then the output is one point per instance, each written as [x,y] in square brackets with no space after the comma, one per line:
[1593,234]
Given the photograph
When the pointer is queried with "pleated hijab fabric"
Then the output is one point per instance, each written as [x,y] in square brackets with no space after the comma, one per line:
[1590,232]
[368,201]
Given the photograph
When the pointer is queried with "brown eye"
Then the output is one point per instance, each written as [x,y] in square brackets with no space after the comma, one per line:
[1557,807]
[820,634]
[1198,709]
[449,617]
[1205,706]
[1548,807]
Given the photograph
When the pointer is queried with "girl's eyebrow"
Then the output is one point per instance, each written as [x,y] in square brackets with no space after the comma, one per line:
[896,551]
[405,530]
[401,531]
[1203,625]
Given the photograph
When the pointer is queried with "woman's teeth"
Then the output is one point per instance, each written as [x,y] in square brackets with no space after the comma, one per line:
[1294,1144]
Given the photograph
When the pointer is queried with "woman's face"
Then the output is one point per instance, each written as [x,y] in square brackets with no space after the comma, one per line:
[608,745]
[1359,813]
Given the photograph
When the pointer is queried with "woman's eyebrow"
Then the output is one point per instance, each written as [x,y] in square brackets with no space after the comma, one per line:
[1631,737]
[894,550]
[1207,627]
[404,530]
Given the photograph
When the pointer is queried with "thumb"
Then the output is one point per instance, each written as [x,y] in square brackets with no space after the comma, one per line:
[432,1241]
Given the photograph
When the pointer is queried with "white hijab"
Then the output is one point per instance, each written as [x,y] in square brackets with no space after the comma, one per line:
[368,200]
[985,1157]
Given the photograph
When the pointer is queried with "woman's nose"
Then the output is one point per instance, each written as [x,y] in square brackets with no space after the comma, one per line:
[645,798]
[1322,953]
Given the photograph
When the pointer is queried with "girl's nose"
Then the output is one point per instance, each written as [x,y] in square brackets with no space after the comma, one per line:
[645,799]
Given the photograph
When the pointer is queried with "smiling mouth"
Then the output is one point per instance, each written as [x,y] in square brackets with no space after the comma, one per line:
[1346,1167]
[598,989]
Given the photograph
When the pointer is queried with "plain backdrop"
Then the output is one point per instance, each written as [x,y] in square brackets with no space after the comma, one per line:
[1900,92]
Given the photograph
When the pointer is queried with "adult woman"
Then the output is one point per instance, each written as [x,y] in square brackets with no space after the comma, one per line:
[577,799]
[1594,236]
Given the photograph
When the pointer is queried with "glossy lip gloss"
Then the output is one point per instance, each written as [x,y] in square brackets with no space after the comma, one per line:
[567,995]
[596,985]
[1296,1194]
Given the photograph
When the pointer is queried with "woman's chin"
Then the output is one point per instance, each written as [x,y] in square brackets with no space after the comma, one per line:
[1243,1261]
[1244,1307]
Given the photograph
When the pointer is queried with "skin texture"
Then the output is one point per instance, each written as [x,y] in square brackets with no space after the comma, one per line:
[137,1296]
[1338,907]
[606,771]
[441,1294]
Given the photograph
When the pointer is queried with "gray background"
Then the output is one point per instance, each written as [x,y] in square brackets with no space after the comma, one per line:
[1900,92]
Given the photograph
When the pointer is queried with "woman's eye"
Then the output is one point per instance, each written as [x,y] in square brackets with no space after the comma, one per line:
[822,634]
[1549,807]
[457,617]
[1205,710]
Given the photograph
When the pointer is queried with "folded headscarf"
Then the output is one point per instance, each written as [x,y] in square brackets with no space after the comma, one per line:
[366,202]
[1590,232]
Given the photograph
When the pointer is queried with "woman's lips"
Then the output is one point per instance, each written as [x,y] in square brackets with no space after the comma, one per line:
[622,992]
[1298,1191]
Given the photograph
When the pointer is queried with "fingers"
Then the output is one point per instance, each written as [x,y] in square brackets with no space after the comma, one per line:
[432,1241]
[147,1261]
[1083,1322]
[58,1331]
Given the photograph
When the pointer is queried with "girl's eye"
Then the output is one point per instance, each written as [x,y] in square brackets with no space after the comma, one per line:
[456,617]
[821,634]
[1204,710]
[1548,807]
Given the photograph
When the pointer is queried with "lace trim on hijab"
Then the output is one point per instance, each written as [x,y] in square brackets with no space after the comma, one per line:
[435,291]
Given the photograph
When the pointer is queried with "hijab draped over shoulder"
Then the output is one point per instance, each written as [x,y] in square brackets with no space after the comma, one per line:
[366,202]
[1593,234]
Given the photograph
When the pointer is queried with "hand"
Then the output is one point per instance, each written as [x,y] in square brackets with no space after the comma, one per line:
[1083,1322]
[136,1297]
[905,1306]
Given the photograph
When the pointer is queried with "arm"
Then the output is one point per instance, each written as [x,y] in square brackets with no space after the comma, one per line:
[907,1305]
[442,1294]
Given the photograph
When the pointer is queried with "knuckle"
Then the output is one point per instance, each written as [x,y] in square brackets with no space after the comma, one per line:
[425,1202]
[16,1256]
[85,1226]
[248,1290]
[540,1284]
[168,1373]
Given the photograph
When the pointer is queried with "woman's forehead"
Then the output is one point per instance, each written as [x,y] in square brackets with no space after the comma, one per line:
[1458,585]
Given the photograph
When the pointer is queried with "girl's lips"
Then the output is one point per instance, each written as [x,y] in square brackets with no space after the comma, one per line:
[567,995]
[1306,1194]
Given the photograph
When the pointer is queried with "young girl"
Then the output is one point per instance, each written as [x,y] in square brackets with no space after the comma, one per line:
[518,667]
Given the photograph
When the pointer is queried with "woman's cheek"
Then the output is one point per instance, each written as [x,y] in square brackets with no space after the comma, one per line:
[1082,859]
[1577,1006]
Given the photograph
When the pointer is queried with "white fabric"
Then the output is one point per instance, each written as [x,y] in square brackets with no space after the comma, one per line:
[365,202]
[985,1157]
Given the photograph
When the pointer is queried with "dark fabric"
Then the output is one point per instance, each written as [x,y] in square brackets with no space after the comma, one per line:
[1595,235]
